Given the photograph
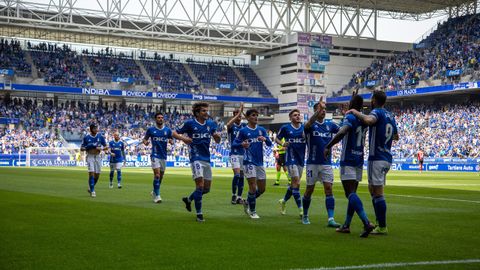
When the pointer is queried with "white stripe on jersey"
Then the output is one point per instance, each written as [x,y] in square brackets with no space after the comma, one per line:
[344,147]
[372,142]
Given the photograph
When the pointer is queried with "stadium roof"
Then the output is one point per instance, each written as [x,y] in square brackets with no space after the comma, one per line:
[404,6]
[257,24]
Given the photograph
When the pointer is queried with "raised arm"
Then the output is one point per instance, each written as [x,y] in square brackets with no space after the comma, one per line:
[312,119]
[236,117]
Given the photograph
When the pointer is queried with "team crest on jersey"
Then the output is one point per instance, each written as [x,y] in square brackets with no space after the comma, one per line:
[195,128]
[208,128]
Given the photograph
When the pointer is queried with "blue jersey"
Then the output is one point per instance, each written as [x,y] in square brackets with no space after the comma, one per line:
[295,154]
[254,153]
[381,134]
[232,133]
[118,148]
[201,135]
[91,142]
[353,142]
[319,135]
[159,138]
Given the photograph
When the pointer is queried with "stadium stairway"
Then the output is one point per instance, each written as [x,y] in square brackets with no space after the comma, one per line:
[144,72]
[28,58]
[89,70]
[192,74]
[239,75]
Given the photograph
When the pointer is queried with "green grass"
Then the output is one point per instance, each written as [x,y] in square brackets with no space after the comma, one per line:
[49,222]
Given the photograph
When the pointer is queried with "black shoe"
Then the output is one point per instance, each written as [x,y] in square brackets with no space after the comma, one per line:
[188,204]
[200,218]
[276,184]
[239,200]
[367,230]
[234,199]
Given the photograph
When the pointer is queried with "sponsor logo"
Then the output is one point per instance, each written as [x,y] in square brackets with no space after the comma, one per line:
[210,97]
[407,92]
[94,91]
[122,80]
[296,140]
[134,93]
[52,162]
[199,97]
[160,139]
[165,95]
[181,164]
[322,134]
[201,135]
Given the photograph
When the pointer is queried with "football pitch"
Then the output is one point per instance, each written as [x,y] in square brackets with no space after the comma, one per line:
[48,221]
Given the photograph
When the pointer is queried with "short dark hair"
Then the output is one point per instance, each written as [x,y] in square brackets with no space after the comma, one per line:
[197,107]
[157,114]
[92,126]
[293,111]
[380,97]
[356,102]
[250,111]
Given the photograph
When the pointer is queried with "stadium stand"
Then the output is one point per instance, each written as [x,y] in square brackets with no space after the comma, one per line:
[453,46]
[209,74]
[252,81]
[106,65]
[169,75]
[59,65]
[13,57]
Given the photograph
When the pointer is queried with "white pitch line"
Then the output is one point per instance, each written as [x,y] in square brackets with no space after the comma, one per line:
[433,198]
[392,265]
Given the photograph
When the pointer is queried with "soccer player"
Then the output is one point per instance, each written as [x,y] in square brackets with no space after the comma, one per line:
[293,138]
[353,134]
[382,131]
[197,134]
[117,159]
[420,159]
[279,152]
[252,138]
[159,135]
[319,168]
[236,155]
[93,144]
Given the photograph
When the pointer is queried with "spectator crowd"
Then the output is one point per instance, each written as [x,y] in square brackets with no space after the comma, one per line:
[448,130]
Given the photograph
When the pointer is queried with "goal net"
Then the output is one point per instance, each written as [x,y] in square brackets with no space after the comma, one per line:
[53,156]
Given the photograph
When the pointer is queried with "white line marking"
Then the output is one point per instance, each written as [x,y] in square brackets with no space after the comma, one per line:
[433,198]
[392,265]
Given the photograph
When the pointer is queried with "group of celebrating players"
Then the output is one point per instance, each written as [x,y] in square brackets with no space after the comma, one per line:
[311,141]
